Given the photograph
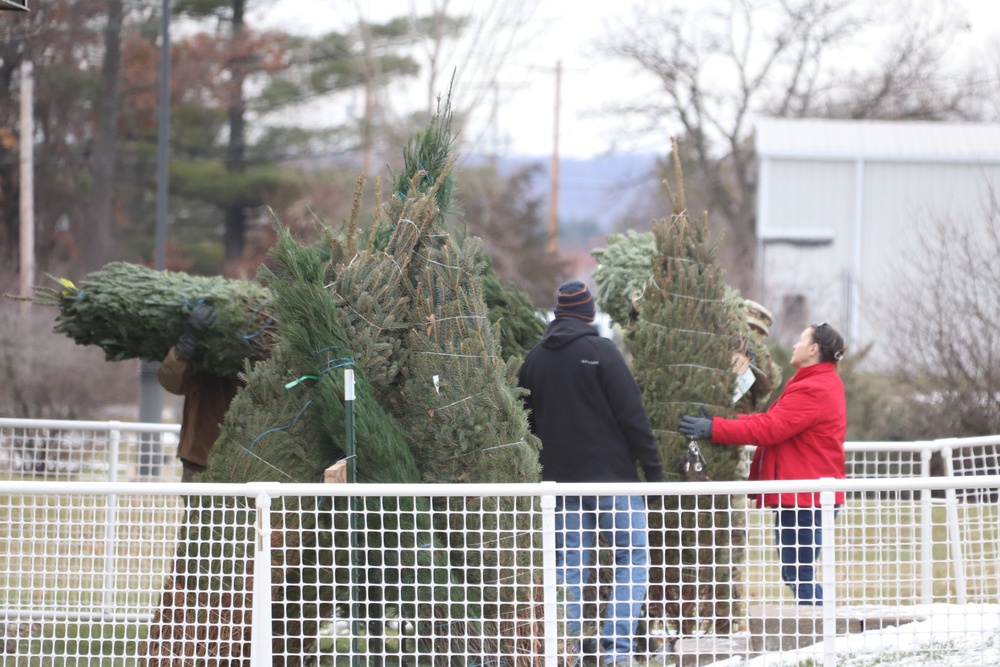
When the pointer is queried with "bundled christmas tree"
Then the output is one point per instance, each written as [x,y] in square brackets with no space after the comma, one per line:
[415,290]
[286,424]
[134,312]
[624,269]
[404,306]
[684,329]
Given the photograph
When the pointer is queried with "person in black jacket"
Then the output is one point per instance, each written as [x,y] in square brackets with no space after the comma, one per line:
[586,408]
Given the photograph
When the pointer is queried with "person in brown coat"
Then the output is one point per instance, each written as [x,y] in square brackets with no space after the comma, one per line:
[206,397]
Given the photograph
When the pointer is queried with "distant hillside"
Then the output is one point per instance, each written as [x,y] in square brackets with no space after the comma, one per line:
[597,191]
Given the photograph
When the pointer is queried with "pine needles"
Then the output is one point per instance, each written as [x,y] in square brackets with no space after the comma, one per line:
[134,312]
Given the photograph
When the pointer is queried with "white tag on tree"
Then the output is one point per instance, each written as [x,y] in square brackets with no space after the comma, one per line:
[744,381]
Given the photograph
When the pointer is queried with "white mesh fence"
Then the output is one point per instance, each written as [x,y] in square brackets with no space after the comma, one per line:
[58,450]
[172,574]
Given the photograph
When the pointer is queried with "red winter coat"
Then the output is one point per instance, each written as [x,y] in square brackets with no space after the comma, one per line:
[801,436]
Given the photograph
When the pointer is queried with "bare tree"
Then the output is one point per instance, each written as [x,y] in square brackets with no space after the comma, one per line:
[943,321]
[718,64]
[472,49]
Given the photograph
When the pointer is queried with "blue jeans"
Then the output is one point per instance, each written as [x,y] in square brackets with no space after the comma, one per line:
[621,521]
[799,537]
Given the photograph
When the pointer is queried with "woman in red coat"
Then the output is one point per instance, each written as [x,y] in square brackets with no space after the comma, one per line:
[801,436]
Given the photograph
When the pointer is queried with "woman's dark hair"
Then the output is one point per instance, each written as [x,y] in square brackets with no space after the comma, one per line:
[831,343]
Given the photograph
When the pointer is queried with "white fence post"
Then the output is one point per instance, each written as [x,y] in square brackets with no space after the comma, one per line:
[260,638]
[954,532]
[111,520]
[550,593]
[926,531]
[114,446]
[828,508]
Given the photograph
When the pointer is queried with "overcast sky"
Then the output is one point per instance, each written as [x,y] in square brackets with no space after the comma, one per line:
[565,32]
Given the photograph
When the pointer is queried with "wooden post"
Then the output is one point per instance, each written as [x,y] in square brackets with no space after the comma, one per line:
[554,180]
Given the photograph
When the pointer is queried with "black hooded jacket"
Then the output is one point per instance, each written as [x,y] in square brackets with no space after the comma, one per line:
[586,408]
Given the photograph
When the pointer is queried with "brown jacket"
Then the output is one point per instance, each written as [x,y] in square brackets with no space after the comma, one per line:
[206,399]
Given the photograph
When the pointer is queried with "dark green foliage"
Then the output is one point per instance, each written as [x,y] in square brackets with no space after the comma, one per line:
[520,325]
[413,302]
[412,298]
[429,151]
[681,345]
[132,311]
[463,417]
[426,168]
[311,350]
[370,289]
[417,315]
[405,310]
[287,424]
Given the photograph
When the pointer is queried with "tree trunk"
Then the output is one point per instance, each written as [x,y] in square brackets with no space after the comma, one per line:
[235,214]
[97,239]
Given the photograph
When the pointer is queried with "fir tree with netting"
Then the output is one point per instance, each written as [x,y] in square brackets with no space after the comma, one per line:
[679,319]
[287,424]
[448,387]
[445,376]
[404,306]
[623,271]
[135,312]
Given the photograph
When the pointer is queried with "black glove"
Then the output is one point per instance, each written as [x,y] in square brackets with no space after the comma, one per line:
[697,428]
[197,323]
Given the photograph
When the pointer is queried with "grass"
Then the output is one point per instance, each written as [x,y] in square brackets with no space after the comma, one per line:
[879,552]
[53,551]
[72,645]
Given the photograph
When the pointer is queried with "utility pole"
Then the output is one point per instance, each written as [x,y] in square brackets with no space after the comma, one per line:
[554,181]
[27,189]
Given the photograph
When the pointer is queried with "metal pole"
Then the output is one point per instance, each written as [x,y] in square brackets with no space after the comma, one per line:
[150,391]
[954,531]
[350,449]
[352,472]
[926,531]
[553,241]
[163,146]
[260,637]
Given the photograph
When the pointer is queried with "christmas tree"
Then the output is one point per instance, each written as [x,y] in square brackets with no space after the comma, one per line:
[687,334]
[450,390]
[134,312]
[402,304]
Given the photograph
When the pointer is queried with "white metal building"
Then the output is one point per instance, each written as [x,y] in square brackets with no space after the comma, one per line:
[840,204]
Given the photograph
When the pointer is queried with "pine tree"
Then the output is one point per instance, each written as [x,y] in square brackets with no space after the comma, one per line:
[682,326]
[405,307]
[134,312]
[451,392]
[623,271]
[287,424]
